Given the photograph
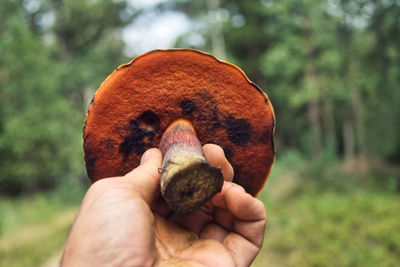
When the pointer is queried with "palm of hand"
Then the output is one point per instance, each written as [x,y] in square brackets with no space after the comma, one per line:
[213,235]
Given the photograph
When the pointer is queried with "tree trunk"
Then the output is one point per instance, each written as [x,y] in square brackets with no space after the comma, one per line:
[328,124]
[217,35]
[356,143]
[348,139]
[358,119]
[314,119]
[311,84]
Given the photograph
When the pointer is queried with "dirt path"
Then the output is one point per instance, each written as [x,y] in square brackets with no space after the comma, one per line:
[36,242]
[30,233]
[53,261]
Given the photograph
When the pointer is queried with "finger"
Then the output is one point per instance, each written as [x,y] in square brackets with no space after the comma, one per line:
[219,199]
[249,213]
[242,250]
[248,226]
[146,178]
[215,155]
[213,231]
[160,207]
[223,218]
[195,221]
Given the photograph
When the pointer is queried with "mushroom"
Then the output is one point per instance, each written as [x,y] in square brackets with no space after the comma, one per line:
[178,99]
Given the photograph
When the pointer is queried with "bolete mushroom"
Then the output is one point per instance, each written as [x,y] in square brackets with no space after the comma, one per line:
[165,98]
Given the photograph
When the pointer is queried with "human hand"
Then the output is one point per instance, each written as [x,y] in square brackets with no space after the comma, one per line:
[124,221]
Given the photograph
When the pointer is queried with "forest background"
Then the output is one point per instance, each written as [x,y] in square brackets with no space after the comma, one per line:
[331,69]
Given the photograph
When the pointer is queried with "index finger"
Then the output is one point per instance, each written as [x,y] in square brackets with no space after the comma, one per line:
[246,238]
[215,155]
[146,178]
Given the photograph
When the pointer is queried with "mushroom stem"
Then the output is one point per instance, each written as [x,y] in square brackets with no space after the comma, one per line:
[187,179]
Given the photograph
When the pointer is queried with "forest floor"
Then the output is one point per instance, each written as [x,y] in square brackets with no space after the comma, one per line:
[315,218]
[37,244]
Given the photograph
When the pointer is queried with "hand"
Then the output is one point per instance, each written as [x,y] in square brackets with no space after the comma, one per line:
[124,221]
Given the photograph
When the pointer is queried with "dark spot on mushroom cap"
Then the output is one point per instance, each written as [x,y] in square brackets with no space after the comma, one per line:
[238,172]
[206,112]
[187,106]
[133,142]
[149,121]
[228,153]
[142,132]
[90,161]
[108,143]
[239,130]
[245,179]
[217,123]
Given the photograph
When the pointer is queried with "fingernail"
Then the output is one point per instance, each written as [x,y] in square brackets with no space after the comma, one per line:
[146,156]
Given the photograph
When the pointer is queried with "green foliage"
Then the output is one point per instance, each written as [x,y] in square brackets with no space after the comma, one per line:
[32,254]
[330,68]
[38,208]
[36,227]
[48,70]
[334,229]
[333,219]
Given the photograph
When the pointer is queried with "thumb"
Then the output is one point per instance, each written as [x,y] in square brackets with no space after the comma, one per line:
[145,179]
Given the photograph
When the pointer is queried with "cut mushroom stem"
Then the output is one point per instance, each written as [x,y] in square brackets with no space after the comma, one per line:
[187,179]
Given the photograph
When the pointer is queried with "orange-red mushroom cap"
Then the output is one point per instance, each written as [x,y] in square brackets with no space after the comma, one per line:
[136,103]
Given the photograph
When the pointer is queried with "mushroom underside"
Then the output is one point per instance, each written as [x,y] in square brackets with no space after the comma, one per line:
[137,102]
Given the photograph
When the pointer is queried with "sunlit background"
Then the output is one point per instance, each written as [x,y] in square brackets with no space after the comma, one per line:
[331,69]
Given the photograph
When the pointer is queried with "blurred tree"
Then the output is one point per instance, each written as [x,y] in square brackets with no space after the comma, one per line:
[54,54]
[381,66]
[87,44]
[331,69]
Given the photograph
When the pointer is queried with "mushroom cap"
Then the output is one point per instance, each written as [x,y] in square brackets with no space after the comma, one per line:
[137,102]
